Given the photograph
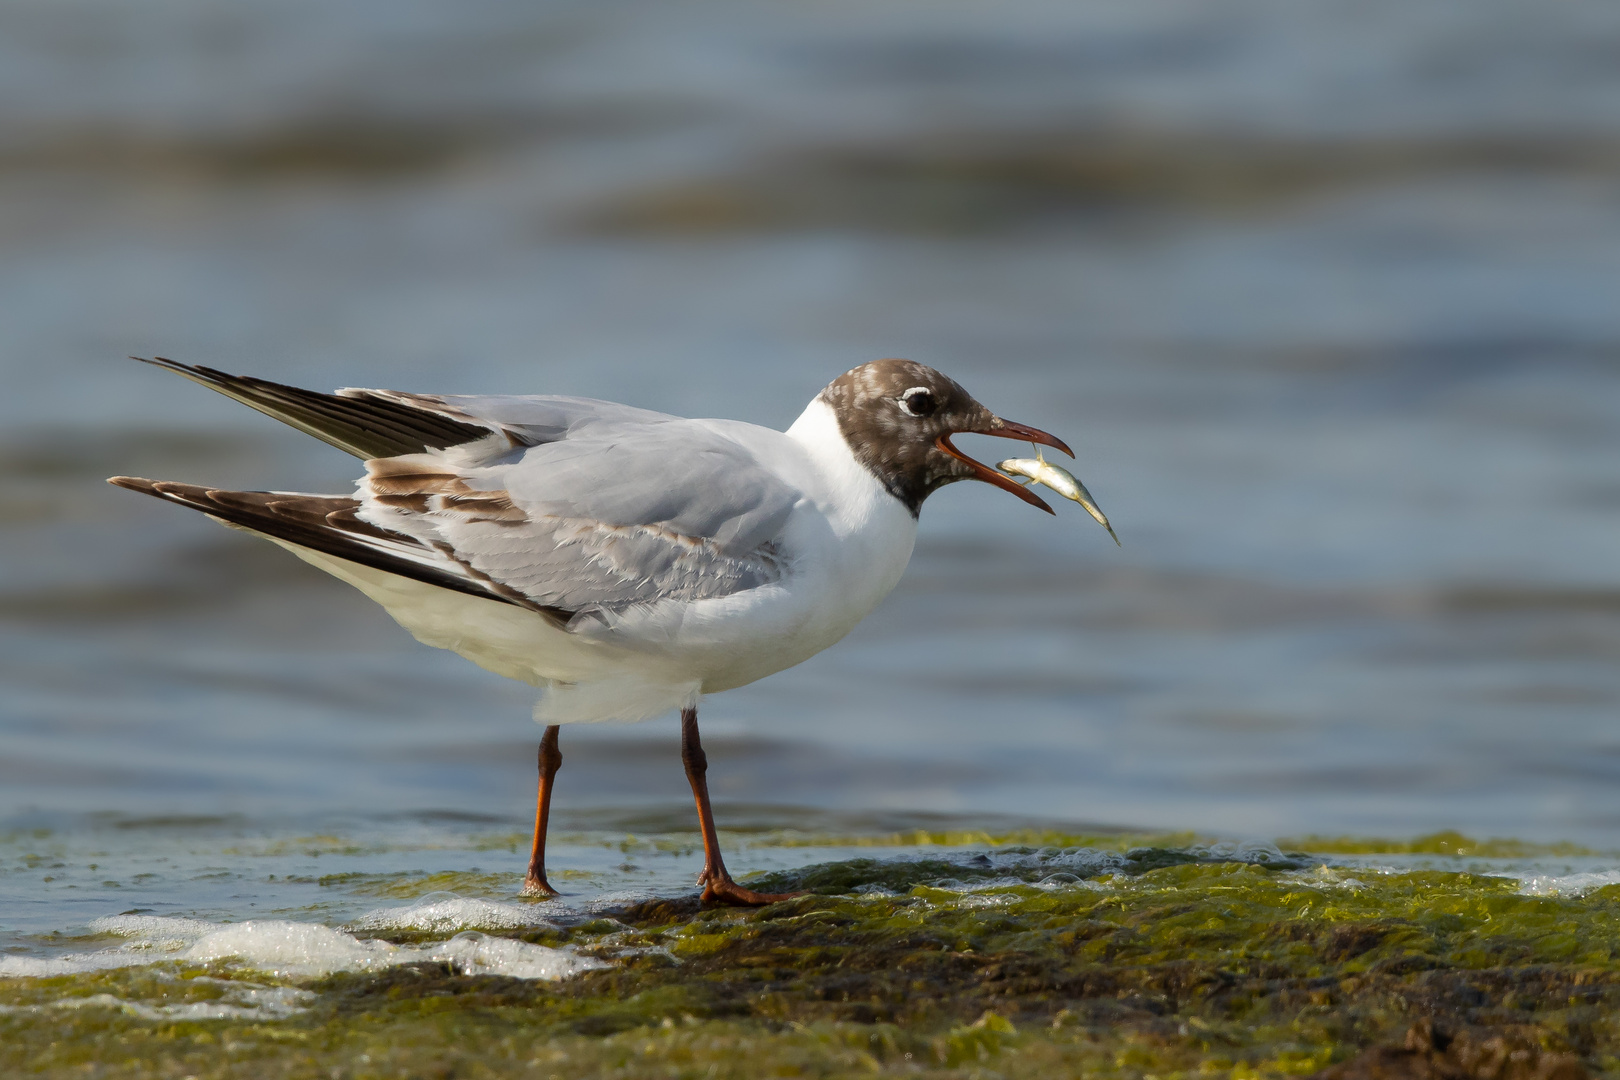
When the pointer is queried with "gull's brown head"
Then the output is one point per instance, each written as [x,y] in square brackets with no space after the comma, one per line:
[898,418]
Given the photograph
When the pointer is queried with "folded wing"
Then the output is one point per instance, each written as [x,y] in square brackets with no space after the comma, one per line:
[627,513]
[566,506]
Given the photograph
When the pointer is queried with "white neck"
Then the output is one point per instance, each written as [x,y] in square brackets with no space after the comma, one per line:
[872,531]
[849,485]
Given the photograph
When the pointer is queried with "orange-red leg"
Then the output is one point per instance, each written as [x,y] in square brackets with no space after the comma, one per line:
[534,882]
[718,888]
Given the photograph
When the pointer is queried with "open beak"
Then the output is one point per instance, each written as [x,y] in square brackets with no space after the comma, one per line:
[1006,429]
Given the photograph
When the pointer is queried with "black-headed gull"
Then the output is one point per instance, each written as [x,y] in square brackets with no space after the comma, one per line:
[625,562]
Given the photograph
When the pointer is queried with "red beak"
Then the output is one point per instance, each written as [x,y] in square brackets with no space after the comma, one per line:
[1006,429]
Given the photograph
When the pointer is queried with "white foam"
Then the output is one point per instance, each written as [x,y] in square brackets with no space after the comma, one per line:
[443,915]
[1255,852]
[473,953]
[154,938]
[1567,884]
[1327,877]
[295,949]
[256,1003]
[241,1001]
[42,967]
[980,894]
[154,931]
[292,948]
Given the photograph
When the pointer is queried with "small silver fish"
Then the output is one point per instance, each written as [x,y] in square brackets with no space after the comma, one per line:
[1057,478]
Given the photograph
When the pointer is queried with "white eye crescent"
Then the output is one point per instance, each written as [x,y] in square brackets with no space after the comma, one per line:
[918,401]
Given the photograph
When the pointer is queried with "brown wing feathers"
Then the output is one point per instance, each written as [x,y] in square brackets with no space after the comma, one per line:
[327,523]
[368,426]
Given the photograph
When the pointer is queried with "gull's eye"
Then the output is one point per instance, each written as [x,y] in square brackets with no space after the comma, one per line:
[918,401]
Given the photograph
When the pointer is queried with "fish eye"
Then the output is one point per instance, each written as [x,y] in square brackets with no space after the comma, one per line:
[918,401]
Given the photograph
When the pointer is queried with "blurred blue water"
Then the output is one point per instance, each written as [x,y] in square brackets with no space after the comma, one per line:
[1322,294]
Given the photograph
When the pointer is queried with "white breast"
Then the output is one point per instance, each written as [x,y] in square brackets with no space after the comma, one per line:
[846,546]
[850,542]
[872,532]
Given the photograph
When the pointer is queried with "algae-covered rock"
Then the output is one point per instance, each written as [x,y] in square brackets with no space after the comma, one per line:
[1021,961]
[1433,1053]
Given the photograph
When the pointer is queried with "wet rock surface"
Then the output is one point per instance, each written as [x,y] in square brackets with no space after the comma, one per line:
[1010,961]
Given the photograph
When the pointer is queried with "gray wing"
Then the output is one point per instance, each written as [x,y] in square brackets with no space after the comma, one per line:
[616,513]
[566,505]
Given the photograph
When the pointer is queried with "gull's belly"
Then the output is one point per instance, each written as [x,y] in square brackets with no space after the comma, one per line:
[662,654]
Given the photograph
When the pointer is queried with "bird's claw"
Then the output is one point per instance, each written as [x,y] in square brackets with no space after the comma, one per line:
[538,886]
[722,890]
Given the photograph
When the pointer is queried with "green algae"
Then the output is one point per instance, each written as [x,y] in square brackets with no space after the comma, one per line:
[411,885]
[1441,843]
[1156,961]
[960,838]
[312,846]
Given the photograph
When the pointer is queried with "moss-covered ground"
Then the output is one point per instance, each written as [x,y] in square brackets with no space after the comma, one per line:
[1159,961]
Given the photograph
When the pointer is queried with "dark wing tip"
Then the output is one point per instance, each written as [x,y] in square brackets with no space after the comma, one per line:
[134,483]
[199,372]
[366,426]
